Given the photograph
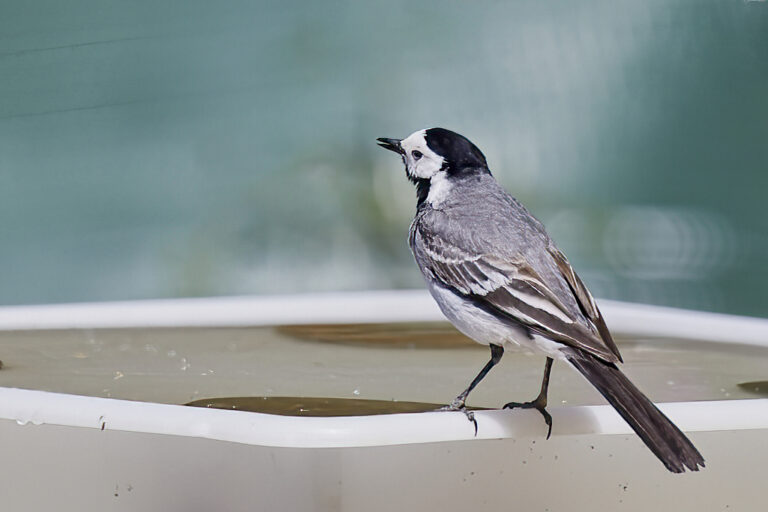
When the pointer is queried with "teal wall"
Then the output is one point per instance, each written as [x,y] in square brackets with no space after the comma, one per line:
[161,149]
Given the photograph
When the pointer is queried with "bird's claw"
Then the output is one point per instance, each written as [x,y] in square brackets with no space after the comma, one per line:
[458,405]
[537,404]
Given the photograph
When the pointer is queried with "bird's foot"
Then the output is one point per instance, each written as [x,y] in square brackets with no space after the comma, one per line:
[539,404]
[458,405]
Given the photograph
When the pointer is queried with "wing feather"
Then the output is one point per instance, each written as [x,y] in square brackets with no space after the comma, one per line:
[585,299]
[514,289]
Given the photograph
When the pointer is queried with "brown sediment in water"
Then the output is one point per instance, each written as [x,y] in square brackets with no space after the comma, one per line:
[759,387]
[428,335]
[315,406]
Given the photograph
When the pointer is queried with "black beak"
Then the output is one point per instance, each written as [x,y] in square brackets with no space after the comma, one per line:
[391,144]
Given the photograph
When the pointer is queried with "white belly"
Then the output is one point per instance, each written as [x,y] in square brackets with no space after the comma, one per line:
[488,329]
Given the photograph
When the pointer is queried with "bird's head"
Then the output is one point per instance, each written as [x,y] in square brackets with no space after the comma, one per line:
[426,153]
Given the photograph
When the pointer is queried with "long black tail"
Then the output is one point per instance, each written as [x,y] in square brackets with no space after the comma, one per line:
[656,430]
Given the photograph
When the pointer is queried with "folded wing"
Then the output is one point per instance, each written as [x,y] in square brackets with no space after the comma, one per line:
[512,288]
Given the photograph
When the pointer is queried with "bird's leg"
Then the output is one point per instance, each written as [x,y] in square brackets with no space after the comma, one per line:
[458,403]
[540,402]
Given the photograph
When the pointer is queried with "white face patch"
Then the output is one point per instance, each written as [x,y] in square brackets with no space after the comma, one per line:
[420,161]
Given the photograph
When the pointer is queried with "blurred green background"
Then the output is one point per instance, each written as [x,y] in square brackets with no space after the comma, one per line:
[188,148]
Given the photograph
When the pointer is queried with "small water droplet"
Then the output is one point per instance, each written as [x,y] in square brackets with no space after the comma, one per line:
[118,375]
[21,422]
[356,392]
[185,364]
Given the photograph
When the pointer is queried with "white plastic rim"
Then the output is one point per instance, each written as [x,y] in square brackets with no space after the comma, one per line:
[39,407]
[624,319]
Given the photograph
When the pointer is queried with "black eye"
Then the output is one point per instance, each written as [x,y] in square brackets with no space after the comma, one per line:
[416,154]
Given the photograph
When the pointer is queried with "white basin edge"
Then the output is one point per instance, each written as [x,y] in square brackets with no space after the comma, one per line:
[624,319]
[31,408]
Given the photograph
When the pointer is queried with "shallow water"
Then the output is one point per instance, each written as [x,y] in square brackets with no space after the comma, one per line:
[422,364]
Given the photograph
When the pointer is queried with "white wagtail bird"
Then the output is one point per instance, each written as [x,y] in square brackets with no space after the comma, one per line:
[501,280]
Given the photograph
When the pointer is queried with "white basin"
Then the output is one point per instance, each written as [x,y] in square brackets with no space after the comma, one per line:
[90,414]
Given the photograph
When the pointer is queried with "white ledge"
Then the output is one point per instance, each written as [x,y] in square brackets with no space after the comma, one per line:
[624,319]
[31,408]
